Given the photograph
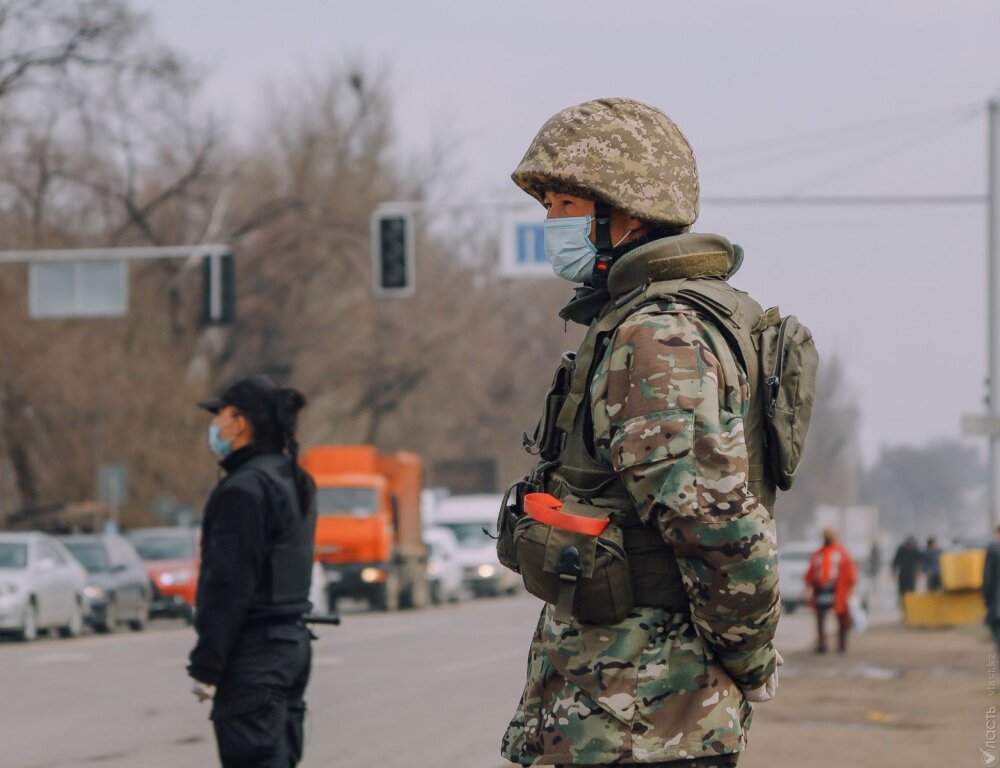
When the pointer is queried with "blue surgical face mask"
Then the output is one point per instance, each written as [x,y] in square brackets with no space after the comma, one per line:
[220,446]
[568,247]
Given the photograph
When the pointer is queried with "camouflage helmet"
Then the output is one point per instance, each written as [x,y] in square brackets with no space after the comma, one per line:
[621,151]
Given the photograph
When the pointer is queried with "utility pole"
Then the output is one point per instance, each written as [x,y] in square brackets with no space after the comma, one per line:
[993,303]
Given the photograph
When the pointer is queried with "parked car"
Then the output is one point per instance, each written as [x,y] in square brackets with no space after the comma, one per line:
[467,517]
[118,588]
[444,571]
[172,560]
[793,562]
[41,586]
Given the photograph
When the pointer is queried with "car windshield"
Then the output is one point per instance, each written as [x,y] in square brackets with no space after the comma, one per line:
[163,546]
[91,555]
[356,502]
[469,534]
[13,555]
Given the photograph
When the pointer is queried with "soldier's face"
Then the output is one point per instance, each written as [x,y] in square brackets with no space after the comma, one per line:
[624,228]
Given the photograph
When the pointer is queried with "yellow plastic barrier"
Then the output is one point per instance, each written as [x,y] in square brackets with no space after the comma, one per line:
[962,570]
[942,609]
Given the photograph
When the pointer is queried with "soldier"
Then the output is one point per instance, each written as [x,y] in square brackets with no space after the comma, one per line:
[253,653]
[652,426]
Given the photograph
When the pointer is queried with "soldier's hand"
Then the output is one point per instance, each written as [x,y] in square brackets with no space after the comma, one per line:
[203,691]
[769,689]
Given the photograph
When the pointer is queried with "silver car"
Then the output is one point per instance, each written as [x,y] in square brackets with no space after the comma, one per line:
[41,586]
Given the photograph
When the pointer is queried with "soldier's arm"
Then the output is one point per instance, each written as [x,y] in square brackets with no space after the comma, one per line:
[675,403]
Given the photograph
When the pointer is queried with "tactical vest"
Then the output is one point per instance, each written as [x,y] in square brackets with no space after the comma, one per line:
[685,270]
[290,535]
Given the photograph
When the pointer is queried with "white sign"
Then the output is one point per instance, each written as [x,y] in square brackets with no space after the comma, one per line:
[78,289]
[980,424]
[522,249]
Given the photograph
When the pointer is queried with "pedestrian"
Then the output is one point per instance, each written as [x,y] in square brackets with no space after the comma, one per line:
[991,587]
[931,565]
[831,576]
[253,654]
[644,428]
[906,563]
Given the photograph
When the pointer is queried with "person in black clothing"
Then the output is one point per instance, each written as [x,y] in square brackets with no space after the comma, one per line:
[906,564]
[253,654]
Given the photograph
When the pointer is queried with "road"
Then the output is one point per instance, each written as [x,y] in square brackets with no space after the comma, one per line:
[428,688]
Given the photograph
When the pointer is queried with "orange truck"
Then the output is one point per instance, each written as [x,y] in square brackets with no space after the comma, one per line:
[368,529]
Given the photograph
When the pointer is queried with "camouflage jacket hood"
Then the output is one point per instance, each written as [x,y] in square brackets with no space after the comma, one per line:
[693,254]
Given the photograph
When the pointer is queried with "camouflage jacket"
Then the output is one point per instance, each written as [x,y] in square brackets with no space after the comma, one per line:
[668,403]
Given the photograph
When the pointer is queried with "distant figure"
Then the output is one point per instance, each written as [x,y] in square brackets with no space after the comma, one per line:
[932,565]
[831,575]
[875,560]
[991,587]
[905,564]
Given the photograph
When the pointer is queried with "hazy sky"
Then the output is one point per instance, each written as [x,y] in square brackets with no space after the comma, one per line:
[776,97]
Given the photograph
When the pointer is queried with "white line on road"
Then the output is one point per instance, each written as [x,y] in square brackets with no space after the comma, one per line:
[59,658]
[479,661]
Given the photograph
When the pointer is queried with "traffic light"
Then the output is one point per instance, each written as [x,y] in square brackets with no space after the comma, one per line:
[218,296]
[392,252]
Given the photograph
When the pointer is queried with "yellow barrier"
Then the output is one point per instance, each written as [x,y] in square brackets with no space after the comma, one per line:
[942,609]
[962,570]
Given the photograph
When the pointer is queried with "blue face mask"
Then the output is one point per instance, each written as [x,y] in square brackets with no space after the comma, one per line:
[220,447]
[568,247]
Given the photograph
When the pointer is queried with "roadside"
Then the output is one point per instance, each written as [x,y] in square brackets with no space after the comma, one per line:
[898,697]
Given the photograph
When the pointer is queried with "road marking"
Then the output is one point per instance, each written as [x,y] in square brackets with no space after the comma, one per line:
[59,658]
[457,666]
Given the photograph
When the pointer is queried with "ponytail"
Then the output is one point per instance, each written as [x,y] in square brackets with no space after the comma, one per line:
[287,404]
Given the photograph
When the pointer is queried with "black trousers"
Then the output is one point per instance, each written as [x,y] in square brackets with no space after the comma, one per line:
[259,711]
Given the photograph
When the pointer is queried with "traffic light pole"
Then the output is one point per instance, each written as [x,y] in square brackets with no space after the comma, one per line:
[993,305]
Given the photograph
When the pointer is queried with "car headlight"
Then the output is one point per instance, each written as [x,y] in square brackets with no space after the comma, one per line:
[486,571]
[93,593]
[175,578]
[371,575]
[8,588]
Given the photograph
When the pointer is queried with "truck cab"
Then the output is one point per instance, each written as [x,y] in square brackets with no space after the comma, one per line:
[368,529]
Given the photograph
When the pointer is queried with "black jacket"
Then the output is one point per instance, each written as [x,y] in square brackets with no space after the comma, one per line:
[256,555]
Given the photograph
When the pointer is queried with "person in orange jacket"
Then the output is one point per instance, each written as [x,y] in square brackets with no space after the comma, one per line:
[831,576]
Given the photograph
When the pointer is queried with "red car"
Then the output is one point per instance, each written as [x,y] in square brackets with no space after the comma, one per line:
[172,557]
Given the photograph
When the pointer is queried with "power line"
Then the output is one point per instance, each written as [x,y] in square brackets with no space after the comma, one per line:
[787,150]
[848,200]
[838,132]
[881,154]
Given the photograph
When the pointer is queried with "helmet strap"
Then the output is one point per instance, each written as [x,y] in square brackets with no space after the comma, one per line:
[605,257]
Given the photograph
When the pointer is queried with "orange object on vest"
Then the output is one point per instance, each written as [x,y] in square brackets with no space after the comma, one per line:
[547,509]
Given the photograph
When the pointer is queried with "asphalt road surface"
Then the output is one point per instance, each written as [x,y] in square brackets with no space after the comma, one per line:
[407,690]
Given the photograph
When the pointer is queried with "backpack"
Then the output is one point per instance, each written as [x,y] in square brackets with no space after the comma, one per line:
[780,361]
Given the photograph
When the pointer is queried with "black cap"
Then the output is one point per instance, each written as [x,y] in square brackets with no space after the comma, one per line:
[250,395]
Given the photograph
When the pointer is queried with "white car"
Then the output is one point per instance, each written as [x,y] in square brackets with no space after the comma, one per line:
[41,586]
[793,562]
[467,517]
[444,571]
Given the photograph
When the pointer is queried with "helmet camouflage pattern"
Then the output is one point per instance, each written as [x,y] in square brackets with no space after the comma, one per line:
[621,151]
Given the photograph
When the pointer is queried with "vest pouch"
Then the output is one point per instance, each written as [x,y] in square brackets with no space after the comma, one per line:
[507,519]
[789,364]
[548,439]
[581,568]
